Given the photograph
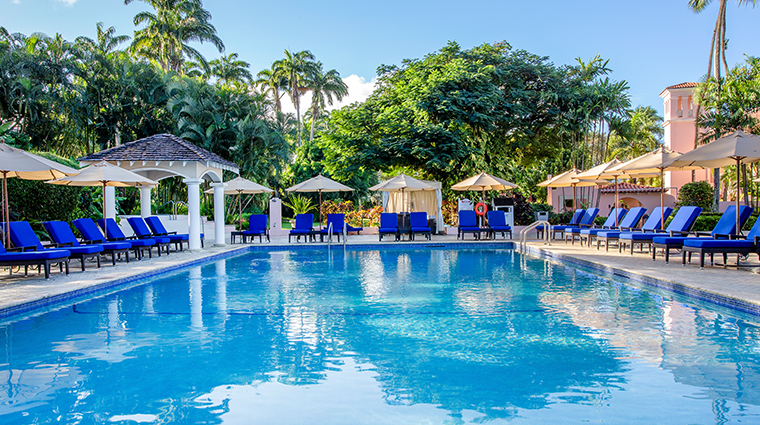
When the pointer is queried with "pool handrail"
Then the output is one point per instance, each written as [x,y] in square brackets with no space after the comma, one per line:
[524,234]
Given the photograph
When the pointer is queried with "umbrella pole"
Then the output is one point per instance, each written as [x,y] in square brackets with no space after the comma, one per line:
[616,202]
[738,188]
[105,213]
[662,198]
[240,208]
[6,211]
[320,208]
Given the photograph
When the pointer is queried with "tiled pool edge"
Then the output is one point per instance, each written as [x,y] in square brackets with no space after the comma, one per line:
[678,288]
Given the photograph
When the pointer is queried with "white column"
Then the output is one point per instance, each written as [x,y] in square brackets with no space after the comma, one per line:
[111,202]
[218,212]
[194,211]
[145,202]
[275,214]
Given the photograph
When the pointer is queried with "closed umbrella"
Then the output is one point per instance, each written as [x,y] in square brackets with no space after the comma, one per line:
[238,186]
[569,179]
[24,165]
[105,174]
[734,149]
[654,162]
[319,184]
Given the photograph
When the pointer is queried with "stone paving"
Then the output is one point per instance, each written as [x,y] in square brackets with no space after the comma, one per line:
[19,293]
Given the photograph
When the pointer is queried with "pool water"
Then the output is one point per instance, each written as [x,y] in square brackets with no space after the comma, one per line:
[396,336]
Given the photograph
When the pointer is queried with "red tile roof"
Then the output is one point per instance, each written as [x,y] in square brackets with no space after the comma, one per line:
[686,85]
[630,188]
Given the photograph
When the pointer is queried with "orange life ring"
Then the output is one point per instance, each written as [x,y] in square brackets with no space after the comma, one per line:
[481,208]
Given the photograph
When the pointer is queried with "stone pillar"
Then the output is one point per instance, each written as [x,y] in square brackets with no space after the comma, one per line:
[110,202]
[145,201]
[194,212]
[218,212]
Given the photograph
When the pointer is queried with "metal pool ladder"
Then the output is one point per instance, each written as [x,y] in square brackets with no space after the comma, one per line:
[524,234]
[330,233]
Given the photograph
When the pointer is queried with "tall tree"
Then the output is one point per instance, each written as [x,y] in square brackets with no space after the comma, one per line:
[293,69]
[229,70]
[105,43]
[716,63]
[323,86]
[168,31]
[271,81]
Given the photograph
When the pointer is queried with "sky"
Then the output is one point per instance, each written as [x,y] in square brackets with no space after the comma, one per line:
[651,44]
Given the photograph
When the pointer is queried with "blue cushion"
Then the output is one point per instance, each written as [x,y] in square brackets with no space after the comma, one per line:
[300,231]
[46,254]
[718,243]
[640,236]
[590,231]
[254,232]
[161,239]
[469,229]
[421,229]
[573,230]
[673,240]
[180,237]
[140,242]
[84,249]
[108,246]
[467,219]
[501,228]
[388,229]
[608,233]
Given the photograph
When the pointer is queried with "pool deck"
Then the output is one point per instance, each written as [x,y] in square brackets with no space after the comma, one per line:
[738,289]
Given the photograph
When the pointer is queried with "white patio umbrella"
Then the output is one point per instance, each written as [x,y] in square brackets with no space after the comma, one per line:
[650,163]
[483,182]
[605,170]
[27,166]
[105,174]
[319,184]
[734,149]
[238,186]
[402,183]
[568,179]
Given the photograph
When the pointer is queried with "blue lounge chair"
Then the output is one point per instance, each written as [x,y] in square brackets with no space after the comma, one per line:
[388,225]
[497,223]
[304,227]
[157,229]
[724,229]
[60,232]
[143,232]
[92,235]
[116,235]
[350,228]
[468,223]
[257,226]
[560,228]
[337,221]
[24,237]
[589,232]
[43,259]
[722,246]
[586,221]
[629,221]
[653,224]
[419,224]
[681,223]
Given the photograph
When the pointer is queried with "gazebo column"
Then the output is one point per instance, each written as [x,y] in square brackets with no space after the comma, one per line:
[110,202]
[194,211]
[145,202]
[218,213]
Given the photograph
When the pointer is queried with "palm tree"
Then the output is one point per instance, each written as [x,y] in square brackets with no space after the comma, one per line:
[718,47]
[294,69]
[323,87]
[230,70]
[106,43]
[167,32]
[270,80]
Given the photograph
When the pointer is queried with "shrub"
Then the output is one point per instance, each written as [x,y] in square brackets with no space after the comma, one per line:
[698,194]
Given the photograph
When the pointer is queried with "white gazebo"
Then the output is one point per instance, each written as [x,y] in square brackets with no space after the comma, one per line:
[166,155]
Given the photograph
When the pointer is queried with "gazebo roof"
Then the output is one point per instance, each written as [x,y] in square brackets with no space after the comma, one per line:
[159,148]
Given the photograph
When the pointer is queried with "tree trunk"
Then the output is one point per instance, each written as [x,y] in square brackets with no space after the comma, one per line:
[716,190]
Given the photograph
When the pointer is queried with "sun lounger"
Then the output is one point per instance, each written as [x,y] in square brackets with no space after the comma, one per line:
[60,232]
[43,259]
[419,224]
[725,227]
[337,221]
[92,235]
[138,245]
[722,246]
[627,222]
[497,223]
[388,225]
[24,237]
[143,232]
[304,227]
[652,224]
[560,228]
[257,226]
[586,221]
[681,223]
[468,223]
[157,229]
[350,229]
[580,232]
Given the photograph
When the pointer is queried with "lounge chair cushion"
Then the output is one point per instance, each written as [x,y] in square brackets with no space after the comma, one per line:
[609,233]
[501,228]
[639,236]
[718,243]
[84,249]
[46,254]
[388,230]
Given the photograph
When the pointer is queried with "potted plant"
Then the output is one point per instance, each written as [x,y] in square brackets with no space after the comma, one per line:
[300,205]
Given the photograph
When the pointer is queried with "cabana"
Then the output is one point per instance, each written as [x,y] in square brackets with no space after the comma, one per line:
[429,201]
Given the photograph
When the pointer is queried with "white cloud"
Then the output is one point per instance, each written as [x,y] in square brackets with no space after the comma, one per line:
[68,2]
[16,1]
[359,90]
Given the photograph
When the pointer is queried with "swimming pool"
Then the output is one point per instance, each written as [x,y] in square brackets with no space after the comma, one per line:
[392,336]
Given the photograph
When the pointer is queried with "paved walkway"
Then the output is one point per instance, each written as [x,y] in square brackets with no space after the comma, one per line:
[732,287]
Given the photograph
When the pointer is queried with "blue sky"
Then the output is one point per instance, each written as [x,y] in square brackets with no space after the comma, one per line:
[651,43]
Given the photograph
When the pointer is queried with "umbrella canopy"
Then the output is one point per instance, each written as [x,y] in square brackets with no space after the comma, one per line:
[238,186]
[319,184]
[402,183]
[484,181]
[606,169]
[734,149]
[24,165]
[569,179]
[650,163]
[105,174]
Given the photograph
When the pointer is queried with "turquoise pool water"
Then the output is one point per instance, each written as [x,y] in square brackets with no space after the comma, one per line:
[430,336]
